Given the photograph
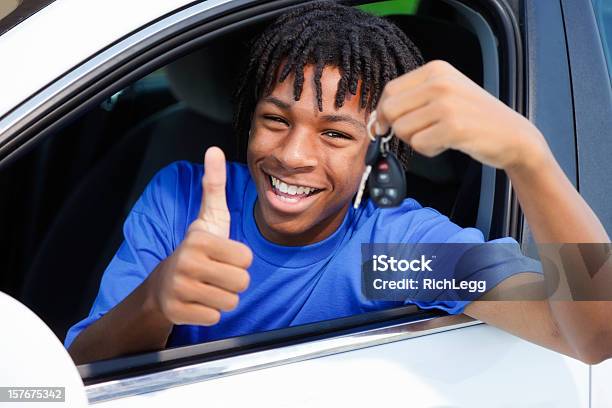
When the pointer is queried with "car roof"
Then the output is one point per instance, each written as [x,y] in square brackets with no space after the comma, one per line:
[63,35]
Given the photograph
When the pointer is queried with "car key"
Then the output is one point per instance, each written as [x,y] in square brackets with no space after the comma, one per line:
[387,181]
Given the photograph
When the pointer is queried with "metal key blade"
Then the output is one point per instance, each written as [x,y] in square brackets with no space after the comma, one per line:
[370,158]
[362,185]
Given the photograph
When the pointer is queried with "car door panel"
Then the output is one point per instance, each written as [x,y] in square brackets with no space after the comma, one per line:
[476,366]
[601,374]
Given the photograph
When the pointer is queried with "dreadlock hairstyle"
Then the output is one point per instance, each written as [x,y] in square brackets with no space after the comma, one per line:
[323,33]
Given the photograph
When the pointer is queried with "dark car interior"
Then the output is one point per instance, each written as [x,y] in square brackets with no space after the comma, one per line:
[64,201]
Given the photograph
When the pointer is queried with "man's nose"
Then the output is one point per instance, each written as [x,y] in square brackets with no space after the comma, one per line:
[299,151]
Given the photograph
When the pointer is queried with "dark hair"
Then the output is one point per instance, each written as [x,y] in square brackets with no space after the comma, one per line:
[323,33]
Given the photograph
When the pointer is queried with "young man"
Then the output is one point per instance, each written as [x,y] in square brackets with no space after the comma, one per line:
[199,235]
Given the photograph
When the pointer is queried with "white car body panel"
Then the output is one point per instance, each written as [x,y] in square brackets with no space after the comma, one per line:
[477,366]
[32,356]
[601,382]
[62,36]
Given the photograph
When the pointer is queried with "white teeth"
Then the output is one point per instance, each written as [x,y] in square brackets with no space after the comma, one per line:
[289,199]
[291,189]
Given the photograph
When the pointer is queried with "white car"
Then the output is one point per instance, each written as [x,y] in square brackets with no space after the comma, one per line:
[96,96]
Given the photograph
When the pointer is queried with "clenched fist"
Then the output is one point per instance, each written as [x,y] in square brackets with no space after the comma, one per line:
[436,107]
[207,271]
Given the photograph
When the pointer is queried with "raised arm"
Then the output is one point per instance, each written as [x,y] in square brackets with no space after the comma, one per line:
[435,108]
[201,278]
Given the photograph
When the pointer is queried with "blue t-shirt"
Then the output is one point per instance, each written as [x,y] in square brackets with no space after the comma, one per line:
[289,285]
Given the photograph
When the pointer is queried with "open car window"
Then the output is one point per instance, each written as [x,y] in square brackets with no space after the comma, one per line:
[97,155]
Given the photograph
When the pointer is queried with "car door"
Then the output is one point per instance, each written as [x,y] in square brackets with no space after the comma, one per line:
[398,356]
[589,38]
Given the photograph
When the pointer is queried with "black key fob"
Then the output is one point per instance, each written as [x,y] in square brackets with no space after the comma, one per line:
[387,182]
[373,152]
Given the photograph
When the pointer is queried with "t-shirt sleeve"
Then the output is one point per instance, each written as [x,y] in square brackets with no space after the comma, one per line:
[471,259]
[148,239]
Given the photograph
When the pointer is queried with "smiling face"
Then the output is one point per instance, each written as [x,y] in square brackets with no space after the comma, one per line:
[306,163]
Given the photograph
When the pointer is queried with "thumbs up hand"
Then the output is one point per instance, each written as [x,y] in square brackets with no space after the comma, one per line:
[207,271]
[214,216]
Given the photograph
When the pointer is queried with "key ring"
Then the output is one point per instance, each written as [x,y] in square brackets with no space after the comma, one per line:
[386,137]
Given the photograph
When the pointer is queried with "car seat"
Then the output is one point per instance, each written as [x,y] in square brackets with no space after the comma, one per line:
[64,275]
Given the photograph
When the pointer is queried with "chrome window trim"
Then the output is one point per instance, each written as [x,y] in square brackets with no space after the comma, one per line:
[271,358]
[54,89]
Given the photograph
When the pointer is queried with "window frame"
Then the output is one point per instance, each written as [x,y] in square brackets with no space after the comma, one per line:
[201,362]
[548,94]
[606,41]
[592,103]
[24,10]
[176,35]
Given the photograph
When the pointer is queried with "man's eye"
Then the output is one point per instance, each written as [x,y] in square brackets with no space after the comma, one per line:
[337,135]
[275,119]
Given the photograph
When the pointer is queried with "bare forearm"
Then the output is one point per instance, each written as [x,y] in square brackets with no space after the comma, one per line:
[423,110]
[556,213]
[530,320]
[134,325]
